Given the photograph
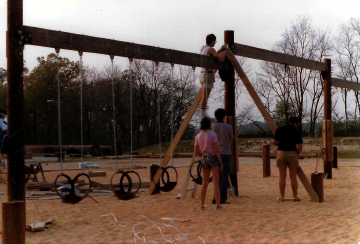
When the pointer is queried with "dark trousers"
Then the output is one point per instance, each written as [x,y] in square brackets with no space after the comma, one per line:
[224,177]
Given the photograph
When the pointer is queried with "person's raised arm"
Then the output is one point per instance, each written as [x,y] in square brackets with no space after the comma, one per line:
[220,57]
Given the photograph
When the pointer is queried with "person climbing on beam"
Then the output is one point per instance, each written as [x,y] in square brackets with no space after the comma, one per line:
[207,75]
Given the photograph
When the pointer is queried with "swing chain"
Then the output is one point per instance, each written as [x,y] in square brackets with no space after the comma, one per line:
[172,111]
[81,110]
[158,107]
[113,97]
[57,50]
[131,113]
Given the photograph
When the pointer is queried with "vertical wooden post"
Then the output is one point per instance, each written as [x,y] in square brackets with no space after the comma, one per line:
[317,184]
[266,159]
[327,124]
[335,164]
[13,218]
[229,97]
[13,213]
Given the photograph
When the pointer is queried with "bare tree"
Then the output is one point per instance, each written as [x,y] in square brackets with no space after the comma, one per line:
[347,60]
[293,85]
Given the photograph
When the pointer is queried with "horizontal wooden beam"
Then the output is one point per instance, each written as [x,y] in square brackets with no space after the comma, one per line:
[281,58]
[69,41]
[345,84]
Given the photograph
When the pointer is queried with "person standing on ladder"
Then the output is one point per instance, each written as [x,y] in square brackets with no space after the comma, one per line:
[289,141]
[207,76]
[225,135]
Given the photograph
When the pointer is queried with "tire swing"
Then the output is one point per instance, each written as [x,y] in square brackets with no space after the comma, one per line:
[197,178]
[167,185]
[120,189]
[66,188]
[71,194]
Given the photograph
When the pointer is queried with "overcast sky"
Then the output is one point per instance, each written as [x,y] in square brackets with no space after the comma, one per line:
[181,25]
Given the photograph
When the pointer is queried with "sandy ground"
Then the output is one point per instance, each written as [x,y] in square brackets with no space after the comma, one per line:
[255,216]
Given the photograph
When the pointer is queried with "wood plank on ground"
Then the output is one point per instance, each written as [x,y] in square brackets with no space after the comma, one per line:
[97,173]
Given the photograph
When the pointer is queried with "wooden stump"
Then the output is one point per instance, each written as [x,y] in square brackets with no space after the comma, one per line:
[317,184]
[266,160]
[153,169]
[13,222]
[335,163]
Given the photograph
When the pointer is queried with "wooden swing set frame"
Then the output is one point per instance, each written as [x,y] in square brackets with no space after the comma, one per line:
[18,35]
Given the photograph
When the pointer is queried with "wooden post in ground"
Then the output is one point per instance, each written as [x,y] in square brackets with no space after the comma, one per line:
[229,99]
[327,123]
[13,214]
[335,163]
[317,184]
[13,218]
[266,159]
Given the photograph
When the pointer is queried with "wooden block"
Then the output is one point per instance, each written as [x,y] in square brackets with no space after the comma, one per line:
[97,173]
[49,198]
[102,186]
[305,181]
[40,225]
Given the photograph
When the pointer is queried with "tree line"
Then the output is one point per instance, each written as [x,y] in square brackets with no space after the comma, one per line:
[285,91]
[151,102]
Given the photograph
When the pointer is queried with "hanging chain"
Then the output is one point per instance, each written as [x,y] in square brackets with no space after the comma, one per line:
[206,90]
[81,111]
[131,114]
[172,111]
[57,50]
[113,97]
[194,92]
[158,107]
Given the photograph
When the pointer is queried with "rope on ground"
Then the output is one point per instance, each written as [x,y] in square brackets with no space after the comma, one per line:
[149,231]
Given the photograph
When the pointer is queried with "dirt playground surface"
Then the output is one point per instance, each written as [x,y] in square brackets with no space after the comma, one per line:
[255,216]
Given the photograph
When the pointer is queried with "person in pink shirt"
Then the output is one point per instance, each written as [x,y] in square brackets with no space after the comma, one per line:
[206,146]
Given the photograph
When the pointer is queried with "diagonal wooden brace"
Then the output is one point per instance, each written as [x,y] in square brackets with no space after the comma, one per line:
[176,140]
[252,91]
